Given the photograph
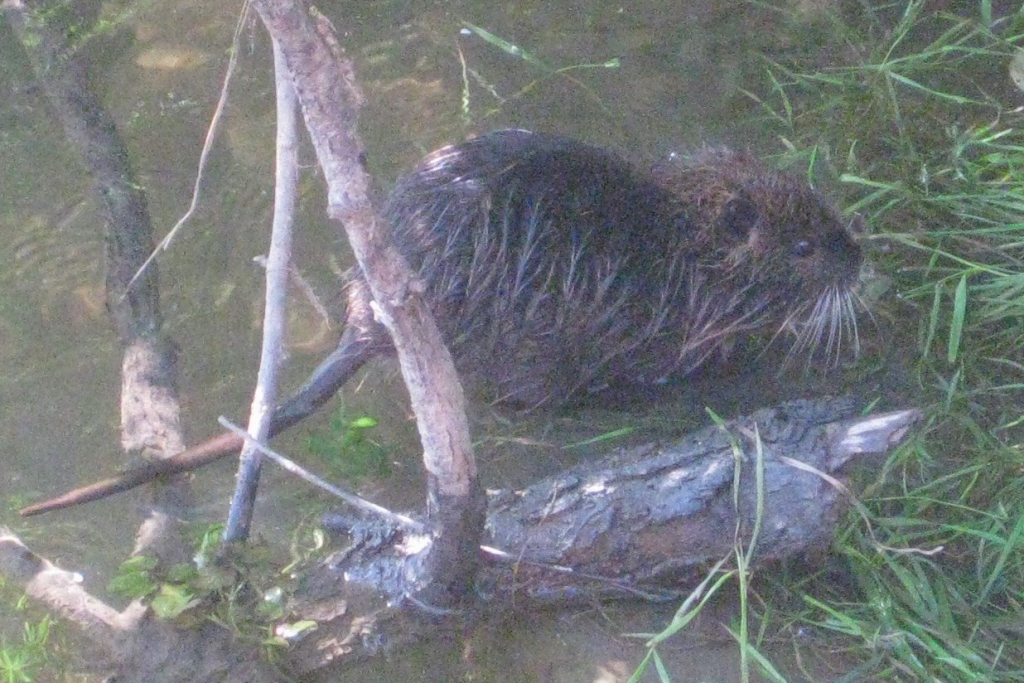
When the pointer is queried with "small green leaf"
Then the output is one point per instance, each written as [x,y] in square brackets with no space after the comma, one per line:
[294,629]
[607,436]
[133,579]
[933,320]
[506,46]
[347,448]
[172,600]
[363,423]
[182,573]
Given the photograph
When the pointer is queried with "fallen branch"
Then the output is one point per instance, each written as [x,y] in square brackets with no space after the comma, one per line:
[150,422]
[642,522]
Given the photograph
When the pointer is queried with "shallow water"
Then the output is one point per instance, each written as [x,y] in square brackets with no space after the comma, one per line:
[677,86]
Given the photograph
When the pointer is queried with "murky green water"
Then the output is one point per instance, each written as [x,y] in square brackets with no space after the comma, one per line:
[678,85]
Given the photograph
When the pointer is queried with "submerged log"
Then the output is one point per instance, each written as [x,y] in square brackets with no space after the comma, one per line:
[648,516]
[641,522]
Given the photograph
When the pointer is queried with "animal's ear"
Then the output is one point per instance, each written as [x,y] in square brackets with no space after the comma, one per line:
[739,216]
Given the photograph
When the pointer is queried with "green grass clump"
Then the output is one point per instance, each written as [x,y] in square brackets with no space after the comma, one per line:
[22,662]
[30,655]
[918,120]
[915,112]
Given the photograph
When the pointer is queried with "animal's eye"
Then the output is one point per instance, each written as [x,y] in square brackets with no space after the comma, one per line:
[803,249]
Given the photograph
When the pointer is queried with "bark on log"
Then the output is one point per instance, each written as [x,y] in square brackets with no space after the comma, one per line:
[648,516]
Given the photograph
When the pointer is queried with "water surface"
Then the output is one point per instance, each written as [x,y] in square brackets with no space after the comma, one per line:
[677,84]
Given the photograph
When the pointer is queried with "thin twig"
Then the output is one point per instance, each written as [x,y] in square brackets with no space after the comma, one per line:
[286,183]
[211,135]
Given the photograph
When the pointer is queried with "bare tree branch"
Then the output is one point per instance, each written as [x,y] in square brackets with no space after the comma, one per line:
[265,396]
[324,80]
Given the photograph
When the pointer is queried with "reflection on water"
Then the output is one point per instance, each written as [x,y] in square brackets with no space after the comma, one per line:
[427,85]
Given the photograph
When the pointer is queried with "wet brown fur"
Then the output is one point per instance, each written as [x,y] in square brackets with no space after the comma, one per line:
[555,267]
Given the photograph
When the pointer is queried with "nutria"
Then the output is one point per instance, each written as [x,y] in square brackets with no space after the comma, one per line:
[579,269]
[554,267]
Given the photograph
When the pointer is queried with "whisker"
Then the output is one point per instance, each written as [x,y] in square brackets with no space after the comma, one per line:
[827,323]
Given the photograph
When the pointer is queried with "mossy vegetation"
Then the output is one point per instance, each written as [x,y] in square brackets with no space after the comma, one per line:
[243,588]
